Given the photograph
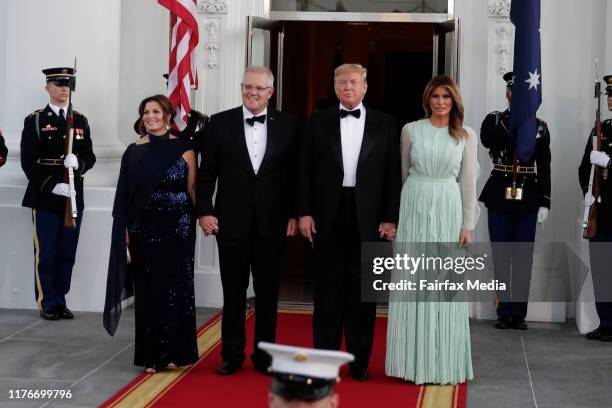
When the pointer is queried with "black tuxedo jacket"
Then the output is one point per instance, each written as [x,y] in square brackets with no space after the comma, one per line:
[243,197]
[320,174]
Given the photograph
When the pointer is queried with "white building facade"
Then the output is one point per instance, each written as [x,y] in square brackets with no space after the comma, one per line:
[122,49]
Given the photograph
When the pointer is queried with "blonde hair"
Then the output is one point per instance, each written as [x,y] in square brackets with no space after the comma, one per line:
[455,123]
[346,68]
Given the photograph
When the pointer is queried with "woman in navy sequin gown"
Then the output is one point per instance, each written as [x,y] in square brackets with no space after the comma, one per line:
[154,216]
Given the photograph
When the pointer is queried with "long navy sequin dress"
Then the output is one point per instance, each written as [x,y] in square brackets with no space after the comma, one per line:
[162,242]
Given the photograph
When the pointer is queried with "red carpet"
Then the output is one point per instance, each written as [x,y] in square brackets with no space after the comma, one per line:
[200,386]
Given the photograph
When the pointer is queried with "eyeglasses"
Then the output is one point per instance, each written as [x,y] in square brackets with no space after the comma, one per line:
[258,89]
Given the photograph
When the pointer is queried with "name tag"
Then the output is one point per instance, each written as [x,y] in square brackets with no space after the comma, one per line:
[49,128]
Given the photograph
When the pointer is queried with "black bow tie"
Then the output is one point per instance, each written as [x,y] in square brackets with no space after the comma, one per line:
[251,121]
[344,113]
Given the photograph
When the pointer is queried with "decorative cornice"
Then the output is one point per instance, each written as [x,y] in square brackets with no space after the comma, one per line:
[499,8]
[212,45]
[212,6]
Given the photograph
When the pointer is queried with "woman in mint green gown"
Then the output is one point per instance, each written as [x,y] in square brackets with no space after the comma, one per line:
[428,340]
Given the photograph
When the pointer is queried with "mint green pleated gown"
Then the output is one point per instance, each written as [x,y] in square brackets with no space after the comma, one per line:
[428,341]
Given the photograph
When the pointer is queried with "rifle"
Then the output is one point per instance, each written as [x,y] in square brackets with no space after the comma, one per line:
[589,223]
[71,212]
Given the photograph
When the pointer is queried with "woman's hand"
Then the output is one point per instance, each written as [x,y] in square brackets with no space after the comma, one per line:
[465,237]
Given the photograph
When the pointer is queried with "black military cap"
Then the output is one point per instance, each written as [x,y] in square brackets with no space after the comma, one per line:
[608,80]
[509,78]
[59,76]
[304,374]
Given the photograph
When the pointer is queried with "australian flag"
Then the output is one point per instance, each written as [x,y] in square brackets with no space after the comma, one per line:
[527,87]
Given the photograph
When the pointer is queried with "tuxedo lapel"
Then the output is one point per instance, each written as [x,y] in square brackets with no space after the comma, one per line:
[335,137]
[369,138]
[270,139]
[239,139]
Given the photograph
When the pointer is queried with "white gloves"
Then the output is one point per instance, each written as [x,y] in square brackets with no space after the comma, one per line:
[599,158]
[542,215]
[590,200]
[71,161]
[61,189]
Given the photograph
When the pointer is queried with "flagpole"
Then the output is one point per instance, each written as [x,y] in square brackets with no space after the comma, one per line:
[169,36]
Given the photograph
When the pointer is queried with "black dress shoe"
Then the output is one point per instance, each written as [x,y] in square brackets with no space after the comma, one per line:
[262,367]
[228,368]
[360,375]
[519,325]
[502,324]
[49,315]
[600,334]
[64,313]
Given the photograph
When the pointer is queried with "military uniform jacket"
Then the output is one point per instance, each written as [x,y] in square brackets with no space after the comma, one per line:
[42,155]
[495,136]
[604,210]
[3,150]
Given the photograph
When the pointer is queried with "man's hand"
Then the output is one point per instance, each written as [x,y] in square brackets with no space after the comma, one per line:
[542,215]
[292,227]
[71,161]
[387,230]
[465,237]
[61,189]
[209,224]
[307,228]
[600,158]
[589,199]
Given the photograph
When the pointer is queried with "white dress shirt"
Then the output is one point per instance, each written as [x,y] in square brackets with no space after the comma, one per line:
[256,137]
[56,109]
[351,136]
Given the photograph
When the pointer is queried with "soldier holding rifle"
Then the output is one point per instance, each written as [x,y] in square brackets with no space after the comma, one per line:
[596,183]
[517,196]
[47,157]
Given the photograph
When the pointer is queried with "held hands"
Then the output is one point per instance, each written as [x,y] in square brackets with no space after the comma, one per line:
[542,215]
[465,237]
[589,200]
[307,228]
[209,224]
[600,158]
[71,161]
[61,189]
[387,231]
[292,227]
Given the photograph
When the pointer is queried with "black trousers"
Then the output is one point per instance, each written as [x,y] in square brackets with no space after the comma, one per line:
[54,254]
[337,288]
[512,236]
[239,258]
[599,253]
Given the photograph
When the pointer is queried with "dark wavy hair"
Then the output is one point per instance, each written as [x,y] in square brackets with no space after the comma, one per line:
[455,123]
[163,101]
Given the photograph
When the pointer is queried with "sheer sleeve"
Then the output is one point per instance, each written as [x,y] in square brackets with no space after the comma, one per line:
[467,181]
[405,146]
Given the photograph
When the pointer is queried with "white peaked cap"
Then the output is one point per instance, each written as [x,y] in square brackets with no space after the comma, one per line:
[307,362]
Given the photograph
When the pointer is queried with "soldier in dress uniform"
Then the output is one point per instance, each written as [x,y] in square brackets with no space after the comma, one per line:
[196,121]
[517,195]
[599,251]
[3,150]
[304,377]
[43,162]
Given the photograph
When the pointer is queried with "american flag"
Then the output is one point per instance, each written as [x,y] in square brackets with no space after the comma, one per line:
[527,87]
[182,74]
